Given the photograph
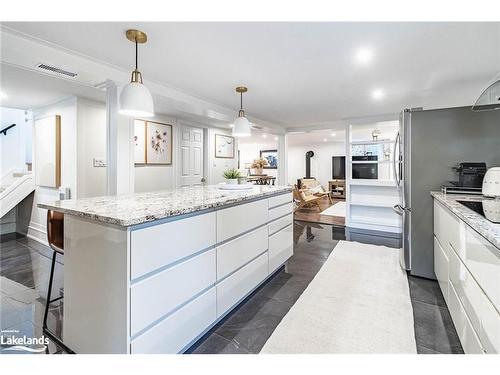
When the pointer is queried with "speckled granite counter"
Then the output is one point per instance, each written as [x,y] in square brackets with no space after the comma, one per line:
[127,210]
[480,224]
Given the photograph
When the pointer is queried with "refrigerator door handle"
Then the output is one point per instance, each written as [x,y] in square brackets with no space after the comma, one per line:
[398,209]
[394,163]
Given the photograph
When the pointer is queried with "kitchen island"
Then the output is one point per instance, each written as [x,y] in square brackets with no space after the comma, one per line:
[152,272]
[467,267]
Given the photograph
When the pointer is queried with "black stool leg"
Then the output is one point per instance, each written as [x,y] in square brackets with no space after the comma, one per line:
[45,329]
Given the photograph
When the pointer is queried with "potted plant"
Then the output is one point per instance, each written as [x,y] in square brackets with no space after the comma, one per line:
[259,164]
[231,176]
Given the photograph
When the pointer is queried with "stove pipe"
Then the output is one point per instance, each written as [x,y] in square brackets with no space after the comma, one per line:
[309,155]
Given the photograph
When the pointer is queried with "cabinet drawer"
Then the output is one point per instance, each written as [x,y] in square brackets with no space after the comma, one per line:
[483,261]
[490,329]
[468,337]
[280,248]
[467,290]
[279,224]
[441,268]
[234,254]
[172,335]
[156,296]
[280,199]
[448,228]
[159,245]
[280,211]
[235,220]
[231,290]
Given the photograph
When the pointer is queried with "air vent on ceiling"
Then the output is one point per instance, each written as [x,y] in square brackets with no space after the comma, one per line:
[256,127]
[57,71]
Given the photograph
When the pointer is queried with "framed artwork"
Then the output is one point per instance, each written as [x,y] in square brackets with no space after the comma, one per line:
[47,142]
[140,142]
[224,146]
[272,158]
[158,143]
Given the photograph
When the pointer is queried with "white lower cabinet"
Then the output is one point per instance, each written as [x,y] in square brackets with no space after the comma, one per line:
[172,334]
[156,296]
[280,247]
[468,338]
[441,268]
[236,253]
[231,290]
[467,267]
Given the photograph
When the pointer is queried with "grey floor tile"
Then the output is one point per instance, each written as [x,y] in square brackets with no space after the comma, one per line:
[434,328]
[425,290]
[423,350]
[220,345]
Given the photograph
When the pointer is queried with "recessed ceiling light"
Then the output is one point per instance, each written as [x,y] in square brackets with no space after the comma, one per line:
[231,125]
[2,95]
[324,139]
[264,135]
[334,134]
[364,55]
[378,94]
[275,138]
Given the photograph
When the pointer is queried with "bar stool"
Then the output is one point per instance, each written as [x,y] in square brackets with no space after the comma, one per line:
[55,237]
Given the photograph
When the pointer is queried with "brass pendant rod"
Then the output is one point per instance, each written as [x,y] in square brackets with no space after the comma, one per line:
[241,100]
[135,53]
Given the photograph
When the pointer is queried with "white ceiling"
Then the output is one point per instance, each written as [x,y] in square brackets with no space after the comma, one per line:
[24,89]
[299,73]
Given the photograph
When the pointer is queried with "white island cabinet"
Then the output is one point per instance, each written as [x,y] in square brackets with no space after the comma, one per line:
[467,266]
[152,272]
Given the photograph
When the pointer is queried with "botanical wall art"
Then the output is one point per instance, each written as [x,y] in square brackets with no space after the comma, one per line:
[47,148]
[224,146]
[272,158]
[158,143]
[140,142]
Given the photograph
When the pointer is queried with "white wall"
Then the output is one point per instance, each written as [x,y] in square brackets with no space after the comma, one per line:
[217,166]
[91,138]
[321,163]
[67,109]
[13,145]
[158,177]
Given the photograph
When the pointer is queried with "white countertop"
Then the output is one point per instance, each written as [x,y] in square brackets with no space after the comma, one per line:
[127,210]
[480,224]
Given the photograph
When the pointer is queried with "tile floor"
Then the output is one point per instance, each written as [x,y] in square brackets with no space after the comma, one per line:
[25,265]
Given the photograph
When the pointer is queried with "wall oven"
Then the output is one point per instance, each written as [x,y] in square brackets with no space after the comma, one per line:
[368,170]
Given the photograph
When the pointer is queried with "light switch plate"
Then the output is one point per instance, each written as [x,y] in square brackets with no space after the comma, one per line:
[99,162]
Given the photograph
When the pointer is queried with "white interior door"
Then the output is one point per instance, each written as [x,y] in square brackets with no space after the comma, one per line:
[191,146]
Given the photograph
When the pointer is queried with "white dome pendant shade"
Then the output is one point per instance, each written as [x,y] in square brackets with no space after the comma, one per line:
[241,126]
[135,98]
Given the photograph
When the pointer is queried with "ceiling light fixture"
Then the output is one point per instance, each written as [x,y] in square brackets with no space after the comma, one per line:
[264,135]
[275,138]
[324,139]
[3,95]
[241,124]
[135,98]
[378,94]
[364,56]
[334,134]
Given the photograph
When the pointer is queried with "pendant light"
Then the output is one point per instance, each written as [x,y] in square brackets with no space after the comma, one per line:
[241,127]
[135,98]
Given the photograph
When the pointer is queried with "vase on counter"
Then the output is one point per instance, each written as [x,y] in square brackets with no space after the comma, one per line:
[232,181]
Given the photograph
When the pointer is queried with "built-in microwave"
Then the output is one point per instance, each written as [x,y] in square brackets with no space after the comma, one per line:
[367,170]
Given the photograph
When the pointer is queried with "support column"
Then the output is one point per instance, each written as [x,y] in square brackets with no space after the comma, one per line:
[119,146]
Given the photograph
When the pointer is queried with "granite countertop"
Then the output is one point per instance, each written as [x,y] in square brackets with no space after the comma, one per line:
[480,224]
[127,210]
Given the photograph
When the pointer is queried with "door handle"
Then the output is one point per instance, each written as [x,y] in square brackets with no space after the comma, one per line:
[394,168]
[398,209]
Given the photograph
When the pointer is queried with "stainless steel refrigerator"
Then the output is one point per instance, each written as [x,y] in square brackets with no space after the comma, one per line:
[429,144]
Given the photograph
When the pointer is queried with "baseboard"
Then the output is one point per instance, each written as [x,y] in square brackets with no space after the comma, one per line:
[37,235]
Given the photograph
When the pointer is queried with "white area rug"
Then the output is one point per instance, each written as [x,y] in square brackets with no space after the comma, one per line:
[338,209]
[359,302]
